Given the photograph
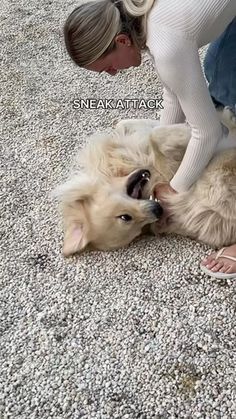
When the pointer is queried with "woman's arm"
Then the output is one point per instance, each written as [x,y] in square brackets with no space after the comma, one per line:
[172,112]
[178,64]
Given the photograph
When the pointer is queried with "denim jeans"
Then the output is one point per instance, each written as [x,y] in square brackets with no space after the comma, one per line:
[220,68]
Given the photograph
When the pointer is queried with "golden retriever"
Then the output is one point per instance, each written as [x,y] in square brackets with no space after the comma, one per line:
[107,203]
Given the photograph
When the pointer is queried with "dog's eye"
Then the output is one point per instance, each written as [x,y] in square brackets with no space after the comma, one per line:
[125,217]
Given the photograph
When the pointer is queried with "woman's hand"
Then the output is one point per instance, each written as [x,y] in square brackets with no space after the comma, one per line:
[163,189]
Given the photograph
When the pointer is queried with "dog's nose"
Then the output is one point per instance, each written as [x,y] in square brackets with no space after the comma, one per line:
[156,209]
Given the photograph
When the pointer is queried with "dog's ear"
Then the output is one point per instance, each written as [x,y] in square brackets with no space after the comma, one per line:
[75,239]
[73,196]
[79,188]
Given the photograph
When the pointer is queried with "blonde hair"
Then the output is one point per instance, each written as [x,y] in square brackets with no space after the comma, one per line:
[90,30]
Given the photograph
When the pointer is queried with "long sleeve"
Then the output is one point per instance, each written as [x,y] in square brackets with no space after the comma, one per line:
[172,112]
[178,64]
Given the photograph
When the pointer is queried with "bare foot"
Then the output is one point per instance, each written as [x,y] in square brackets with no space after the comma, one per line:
[222,264]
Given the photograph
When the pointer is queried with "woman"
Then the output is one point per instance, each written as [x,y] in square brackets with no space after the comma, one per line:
[109,35]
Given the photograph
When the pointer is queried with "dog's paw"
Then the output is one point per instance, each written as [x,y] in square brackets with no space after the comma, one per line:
[115,123]
[129,126]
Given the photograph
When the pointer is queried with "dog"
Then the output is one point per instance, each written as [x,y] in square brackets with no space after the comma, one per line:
[111,199]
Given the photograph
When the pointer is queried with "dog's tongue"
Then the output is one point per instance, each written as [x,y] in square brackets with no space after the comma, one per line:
[137,192]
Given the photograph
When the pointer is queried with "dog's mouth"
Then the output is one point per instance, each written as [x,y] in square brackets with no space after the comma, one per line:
[136,186]
[137,182]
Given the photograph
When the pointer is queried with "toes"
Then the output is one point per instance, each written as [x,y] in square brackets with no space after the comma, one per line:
[217,267]
[228,269]
[207,260]
[212,263]
[220,265]
[225,268]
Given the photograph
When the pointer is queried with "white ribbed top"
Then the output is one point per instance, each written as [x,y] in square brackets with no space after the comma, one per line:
[176,29]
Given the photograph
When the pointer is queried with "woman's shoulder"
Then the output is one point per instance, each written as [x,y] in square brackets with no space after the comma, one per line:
[186,19]
[167,44]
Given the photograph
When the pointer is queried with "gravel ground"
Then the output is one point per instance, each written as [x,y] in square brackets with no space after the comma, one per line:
[134,333]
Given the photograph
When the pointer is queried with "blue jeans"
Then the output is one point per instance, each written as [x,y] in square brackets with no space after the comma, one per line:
[220,68]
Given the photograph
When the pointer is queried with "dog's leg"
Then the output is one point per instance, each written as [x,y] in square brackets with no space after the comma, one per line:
[171,140]
[129,126]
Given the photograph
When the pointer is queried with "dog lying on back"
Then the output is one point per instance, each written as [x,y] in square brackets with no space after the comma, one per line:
[111,200]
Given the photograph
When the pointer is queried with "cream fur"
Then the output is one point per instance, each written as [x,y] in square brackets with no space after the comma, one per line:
[94,199]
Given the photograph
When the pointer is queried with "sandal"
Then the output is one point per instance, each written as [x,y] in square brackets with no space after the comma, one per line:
[220,275]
